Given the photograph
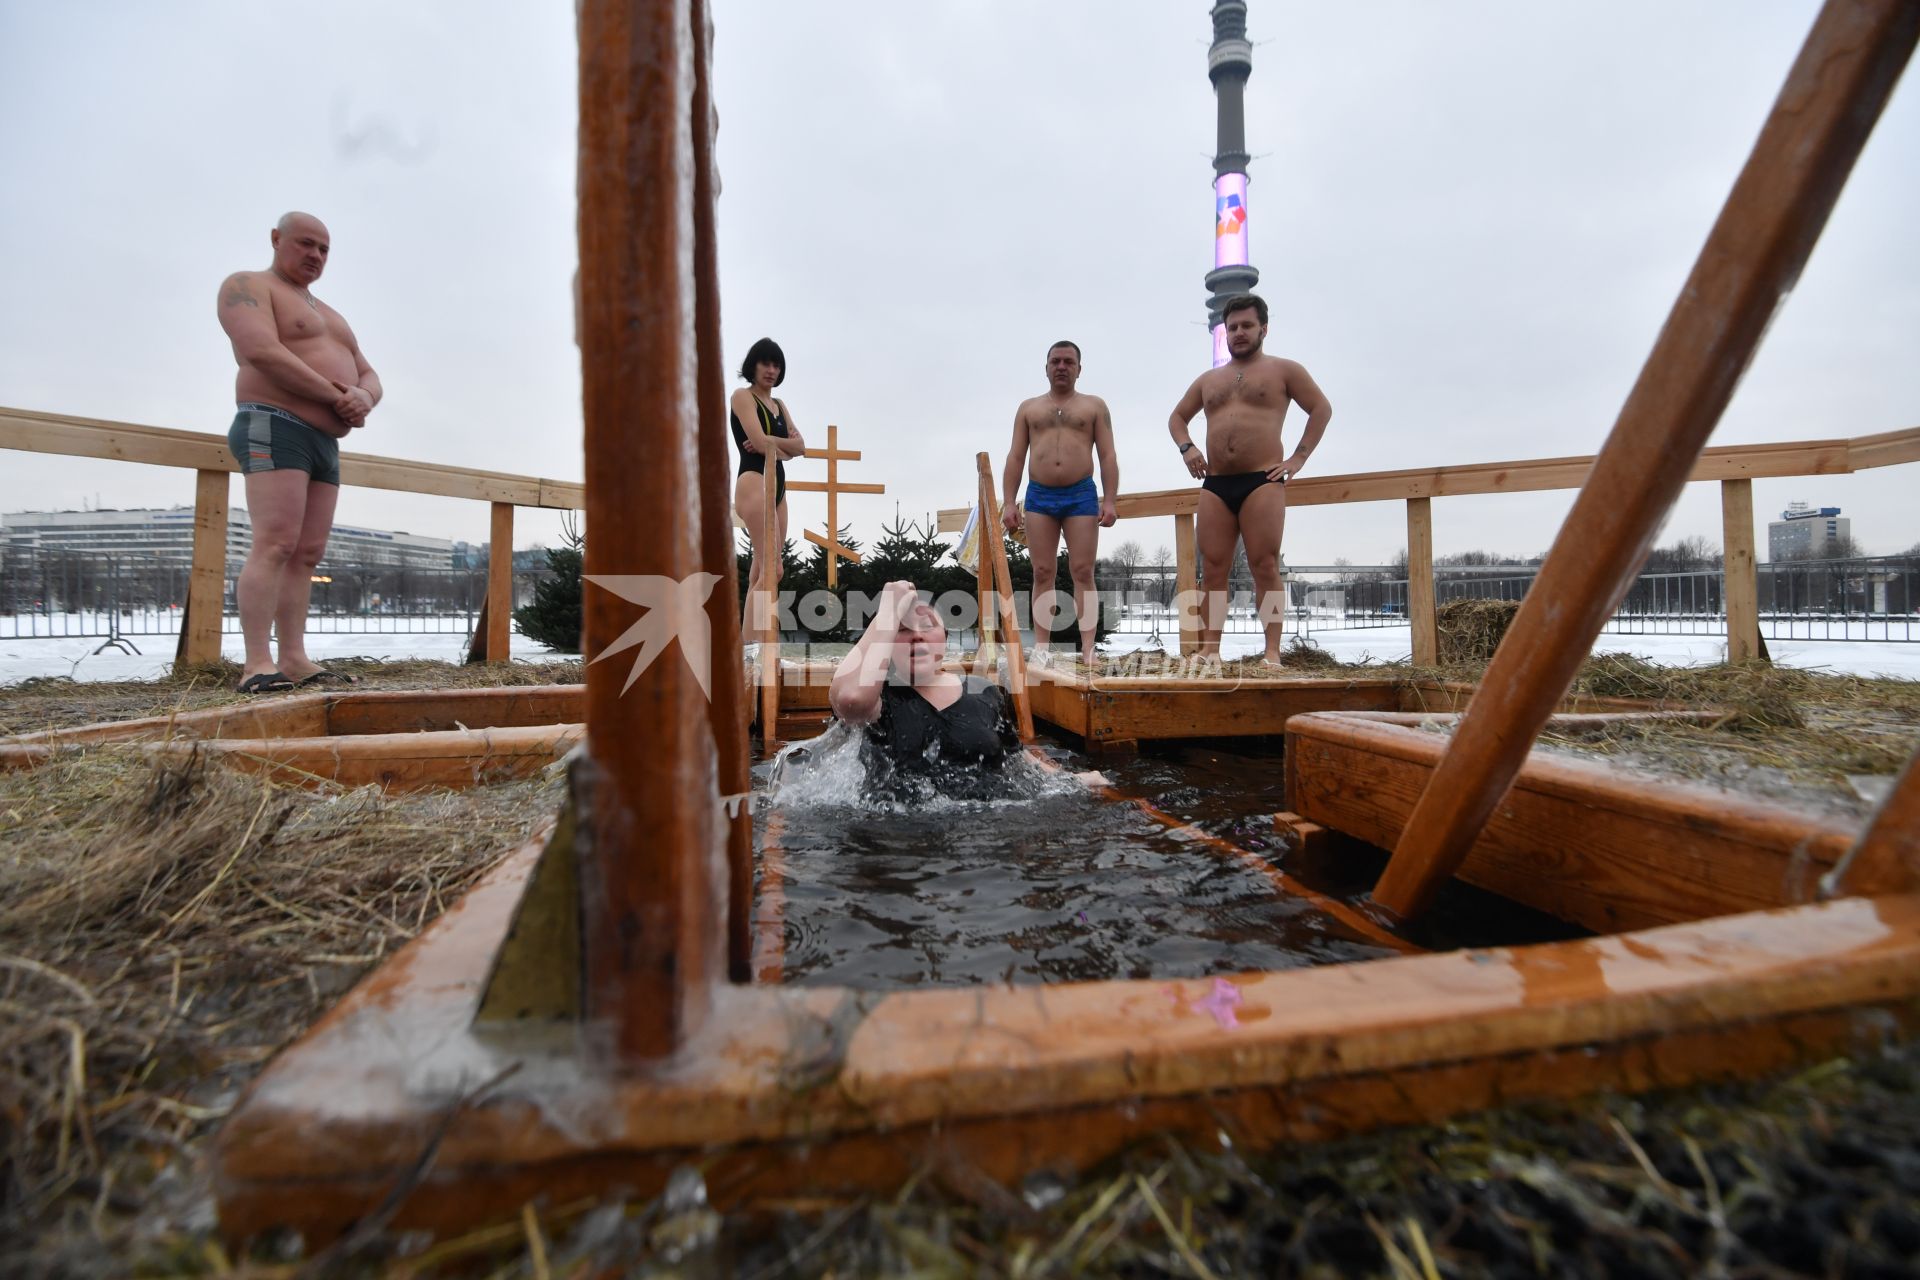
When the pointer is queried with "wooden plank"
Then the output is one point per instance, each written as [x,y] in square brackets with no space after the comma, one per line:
[435,710]
[652,866]
[199,643]
[1420,604]
[35,431]
[1059,700]
[1839,84]
[727,709]
[772,564]
[1742,575]
[863,1079]
[1256,708]
[500,584]
[1887,856]
[1604,848]
[397,762]
[839,552]
[1886,449]
[953,519]
[1186,580]
[993,551]
[287,715]
[820,486]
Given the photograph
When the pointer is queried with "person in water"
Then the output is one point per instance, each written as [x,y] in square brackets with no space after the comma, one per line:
[926,729]
[762,426]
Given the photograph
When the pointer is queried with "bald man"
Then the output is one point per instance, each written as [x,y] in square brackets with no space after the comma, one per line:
[303,385]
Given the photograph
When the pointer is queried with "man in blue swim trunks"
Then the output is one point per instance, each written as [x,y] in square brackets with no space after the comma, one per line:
[1058,434]
[1244,468]
[303,384]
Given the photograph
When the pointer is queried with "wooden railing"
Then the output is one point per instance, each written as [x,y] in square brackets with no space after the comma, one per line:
[207,456]
[1736,467]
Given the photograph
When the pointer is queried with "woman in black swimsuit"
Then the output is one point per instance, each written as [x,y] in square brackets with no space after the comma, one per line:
[762,425]
[928,730]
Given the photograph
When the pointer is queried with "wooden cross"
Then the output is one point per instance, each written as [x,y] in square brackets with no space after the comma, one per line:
[833,488]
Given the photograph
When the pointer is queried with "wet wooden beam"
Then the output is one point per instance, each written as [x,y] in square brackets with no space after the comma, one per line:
[652,842]
[1605,848]
[1887,855]
[1754,254]
[838,1091]
[993,551]
[727,709]
[1741,574]
[1186,583]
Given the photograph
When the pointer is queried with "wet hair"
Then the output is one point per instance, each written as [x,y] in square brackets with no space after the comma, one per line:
[765,351]
[1067,342]
[1244,302]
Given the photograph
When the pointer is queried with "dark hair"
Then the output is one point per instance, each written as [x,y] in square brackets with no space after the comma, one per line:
[1067,342]
[1242,302]
[765,351]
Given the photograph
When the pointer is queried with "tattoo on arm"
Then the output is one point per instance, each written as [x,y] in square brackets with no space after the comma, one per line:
[238,295]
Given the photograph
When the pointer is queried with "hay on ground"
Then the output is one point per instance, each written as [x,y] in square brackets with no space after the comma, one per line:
[1470,630]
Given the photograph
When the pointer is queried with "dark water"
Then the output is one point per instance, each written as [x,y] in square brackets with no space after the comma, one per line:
[1054,884]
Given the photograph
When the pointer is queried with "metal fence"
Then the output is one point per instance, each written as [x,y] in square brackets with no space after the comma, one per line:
[1876,598]
[113,597]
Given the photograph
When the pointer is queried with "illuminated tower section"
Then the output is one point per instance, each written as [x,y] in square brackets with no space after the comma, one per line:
[1229,63]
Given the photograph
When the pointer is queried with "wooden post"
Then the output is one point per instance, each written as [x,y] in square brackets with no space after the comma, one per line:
[726,708]
[500,583]
[650,835]
[1420,606]
[1847,68]
[199,642]
[993,542]
[983,584]
[770,565]
[1742,578]
[1886,859]
[833,504]
[1186,582]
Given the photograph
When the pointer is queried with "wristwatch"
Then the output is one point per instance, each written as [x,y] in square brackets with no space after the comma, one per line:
[1188,445]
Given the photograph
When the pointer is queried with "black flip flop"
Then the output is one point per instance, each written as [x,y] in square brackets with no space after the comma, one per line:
[324,676]
[266,682]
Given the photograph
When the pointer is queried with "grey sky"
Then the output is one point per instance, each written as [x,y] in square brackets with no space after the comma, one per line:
[1470,219]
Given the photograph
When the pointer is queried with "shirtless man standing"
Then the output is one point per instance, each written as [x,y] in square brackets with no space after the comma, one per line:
[303,385]
[1063,430]
[1243,469]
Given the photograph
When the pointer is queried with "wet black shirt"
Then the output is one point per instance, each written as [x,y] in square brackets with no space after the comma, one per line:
[915,748]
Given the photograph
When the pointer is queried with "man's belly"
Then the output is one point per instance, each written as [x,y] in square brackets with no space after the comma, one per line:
[1246,443]
[1059,467]
[252,386]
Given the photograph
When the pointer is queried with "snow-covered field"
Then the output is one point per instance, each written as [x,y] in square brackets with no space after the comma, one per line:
[26,657]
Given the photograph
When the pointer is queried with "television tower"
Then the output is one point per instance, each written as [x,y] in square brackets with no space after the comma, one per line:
[1229,63]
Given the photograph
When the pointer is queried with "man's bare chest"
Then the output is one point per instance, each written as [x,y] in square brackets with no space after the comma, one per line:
[302,319]
[1226,389]
[1047,419]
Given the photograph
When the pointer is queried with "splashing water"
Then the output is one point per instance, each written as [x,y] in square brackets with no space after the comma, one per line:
[829,772]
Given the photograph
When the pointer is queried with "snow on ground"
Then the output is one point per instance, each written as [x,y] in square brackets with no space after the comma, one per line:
[26,657]
[74,656]
[1389,644]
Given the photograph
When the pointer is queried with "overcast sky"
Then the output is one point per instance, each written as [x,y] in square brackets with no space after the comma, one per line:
[1470,220]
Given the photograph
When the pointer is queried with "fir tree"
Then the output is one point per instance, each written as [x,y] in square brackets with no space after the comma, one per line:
[552,617]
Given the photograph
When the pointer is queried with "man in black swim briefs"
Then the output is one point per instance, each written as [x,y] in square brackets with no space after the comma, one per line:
[927,730]
[1244,468]
[303,384]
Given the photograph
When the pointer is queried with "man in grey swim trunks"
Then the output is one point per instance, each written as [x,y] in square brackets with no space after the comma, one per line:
[303,385]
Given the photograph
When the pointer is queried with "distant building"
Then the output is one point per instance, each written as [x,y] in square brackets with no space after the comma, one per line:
[155,534]
[1807,533]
